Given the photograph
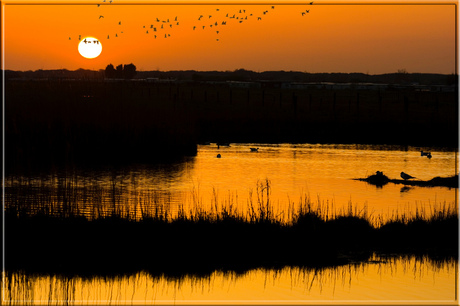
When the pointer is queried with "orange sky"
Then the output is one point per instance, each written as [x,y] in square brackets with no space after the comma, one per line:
[332,37]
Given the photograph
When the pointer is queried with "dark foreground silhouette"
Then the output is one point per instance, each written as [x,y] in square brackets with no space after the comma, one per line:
[201,243]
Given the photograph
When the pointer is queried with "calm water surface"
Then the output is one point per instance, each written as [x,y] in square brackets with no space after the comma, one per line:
[325,173]
[397,281]
[322,172]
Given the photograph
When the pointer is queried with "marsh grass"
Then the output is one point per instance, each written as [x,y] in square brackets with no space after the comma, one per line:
[198,240]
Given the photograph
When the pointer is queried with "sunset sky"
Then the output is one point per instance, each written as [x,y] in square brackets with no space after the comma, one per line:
[368,37]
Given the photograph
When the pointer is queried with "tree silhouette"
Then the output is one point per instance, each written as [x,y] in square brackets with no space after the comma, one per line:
[110,72]
[129,71]
[121,72]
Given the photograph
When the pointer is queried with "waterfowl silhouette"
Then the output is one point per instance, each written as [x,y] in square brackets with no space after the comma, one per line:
[406,176]
[254,149]
[427,154]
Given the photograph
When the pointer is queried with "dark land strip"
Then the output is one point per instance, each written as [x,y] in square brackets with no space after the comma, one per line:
[381,180]
[201,243]
[95,121]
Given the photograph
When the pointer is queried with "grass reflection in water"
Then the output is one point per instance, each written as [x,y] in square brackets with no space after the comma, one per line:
[389,279]
[197,241]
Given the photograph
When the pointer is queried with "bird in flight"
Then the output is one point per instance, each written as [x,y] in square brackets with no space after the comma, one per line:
[101,17]
[406,176]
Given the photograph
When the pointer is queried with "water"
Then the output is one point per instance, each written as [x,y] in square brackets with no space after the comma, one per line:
[323,173]
[396,281]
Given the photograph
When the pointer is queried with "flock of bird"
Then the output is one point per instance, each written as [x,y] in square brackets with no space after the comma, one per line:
[162,28]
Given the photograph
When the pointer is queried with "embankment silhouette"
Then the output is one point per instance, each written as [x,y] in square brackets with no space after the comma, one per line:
[95,121]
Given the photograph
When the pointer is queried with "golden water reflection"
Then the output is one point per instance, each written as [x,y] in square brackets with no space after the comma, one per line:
[322,173]
[383,281]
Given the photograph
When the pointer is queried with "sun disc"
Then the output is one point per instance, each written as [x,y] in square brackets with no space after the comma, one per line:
[90,47]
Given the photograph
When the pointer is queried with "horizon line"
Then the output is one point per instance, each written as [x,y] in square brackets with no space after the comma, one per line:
[232,71]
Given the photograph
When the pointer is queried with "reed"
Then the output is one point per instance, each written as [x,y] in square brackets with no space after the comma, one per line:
[198,240]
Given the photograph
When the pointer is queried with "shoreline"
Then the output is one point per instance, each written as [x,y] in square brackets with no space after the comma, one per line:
[381,180]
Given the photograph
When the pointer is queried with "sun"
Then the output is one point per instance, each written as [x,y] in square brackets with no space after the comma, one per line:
[90,47]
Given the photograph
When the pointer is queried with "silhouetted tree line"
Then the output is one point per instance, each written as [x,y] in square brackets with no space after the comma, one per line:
[297,76]
[129,72]
[55,74]
[121,72]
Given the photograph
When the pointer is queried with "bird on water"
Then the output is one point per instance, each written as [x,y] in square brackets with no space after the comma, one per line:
[406,176]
